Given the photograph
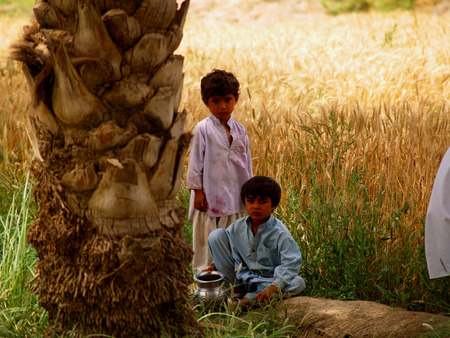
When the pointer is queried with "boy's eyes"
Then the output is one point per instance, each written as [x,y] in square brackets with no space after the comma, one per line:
[226,99]
[218,101]
[260,200]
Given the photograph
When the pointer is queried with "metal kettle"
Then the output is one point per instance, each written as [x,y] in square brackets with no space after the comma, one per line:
[210,288]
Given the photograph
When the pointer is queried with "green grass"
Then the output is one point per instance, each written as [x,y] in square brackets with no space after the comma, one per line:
[438,331]
[271,320]
[182,199]
[20,314]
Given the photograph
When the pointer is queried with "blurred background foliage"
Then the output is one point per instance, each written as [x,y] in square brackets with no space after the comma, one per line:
[334,6]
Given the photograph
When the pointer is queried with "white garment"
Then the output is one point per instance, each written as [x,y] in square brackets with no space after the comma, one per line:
[217,167]
[202,226]
[437,223]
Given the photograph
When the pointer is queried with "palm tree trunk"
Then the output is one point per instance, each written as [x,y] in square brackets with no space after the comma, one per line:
[109,144]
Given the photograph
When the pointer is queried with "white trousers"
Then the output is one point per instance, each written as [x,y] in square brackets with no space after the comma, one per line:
[203,225]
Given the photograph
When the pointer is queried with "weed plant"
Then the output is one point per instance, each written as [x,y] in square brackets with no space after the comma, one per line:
[20,314]
[271,320]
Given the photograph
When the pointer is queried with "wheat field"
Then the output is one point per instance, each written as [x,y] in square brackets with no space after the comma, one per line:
[354,106]
[387,75]
[350,114]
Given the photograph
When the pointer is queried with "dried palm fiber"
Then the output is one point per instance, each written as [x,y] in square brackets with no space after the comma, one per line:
[110,143]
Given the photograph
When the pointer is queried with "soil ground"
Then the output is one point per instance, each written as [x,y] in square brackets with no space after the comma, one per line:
[318,317]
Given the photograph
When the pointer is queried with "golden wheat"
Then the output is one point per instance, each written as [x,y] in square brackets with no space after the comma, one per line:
[386,75]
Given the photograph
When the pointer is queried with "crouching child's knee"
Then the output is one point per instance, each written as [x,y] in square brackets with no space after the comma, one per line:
[217,236]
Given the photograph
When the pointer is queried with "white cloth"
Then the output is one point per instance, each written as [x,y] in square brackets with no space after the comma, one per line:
[217,167]
[437,223]
[202,226]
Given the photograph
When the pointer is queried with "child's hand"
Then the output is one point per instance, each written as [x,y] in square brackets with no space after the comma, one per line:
[210,269]
[200,202]
[266,294]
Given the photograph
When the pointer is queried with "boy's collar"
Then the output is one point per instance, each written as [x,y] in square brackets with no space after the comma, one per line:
[249,221]
[217,121]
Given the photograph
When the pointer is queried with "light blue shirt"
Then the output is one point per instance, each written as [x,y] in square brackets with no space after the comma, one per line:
[218,167]
[272,255]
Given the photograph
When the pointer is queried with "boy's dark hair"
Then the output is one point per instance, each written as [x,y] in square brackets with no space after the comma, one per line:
[262,186]
[219,82]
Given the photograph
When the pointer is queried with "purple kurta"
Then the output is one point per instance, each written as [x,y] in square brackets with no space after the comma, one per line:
[217,167]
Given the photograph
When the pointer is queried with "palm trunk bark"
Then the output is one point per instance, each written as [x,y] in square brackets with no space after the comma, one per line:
[109,144]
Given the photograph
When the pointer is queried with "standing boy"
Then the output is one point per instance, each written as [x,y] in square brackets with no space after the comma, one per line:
[257,253]
[219,163]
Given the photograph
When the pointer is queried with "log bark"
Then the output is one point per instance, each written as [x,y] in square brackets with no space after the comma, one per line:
[110,144]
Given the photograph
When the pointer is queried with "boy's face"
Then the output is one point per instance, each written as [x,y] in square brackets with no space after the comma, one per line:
[222,106]
[259,208]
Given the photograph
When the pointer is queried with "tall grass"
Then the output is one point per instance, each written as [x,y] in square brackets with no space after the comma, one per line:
[20,314]
[349,113]
[272,320]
